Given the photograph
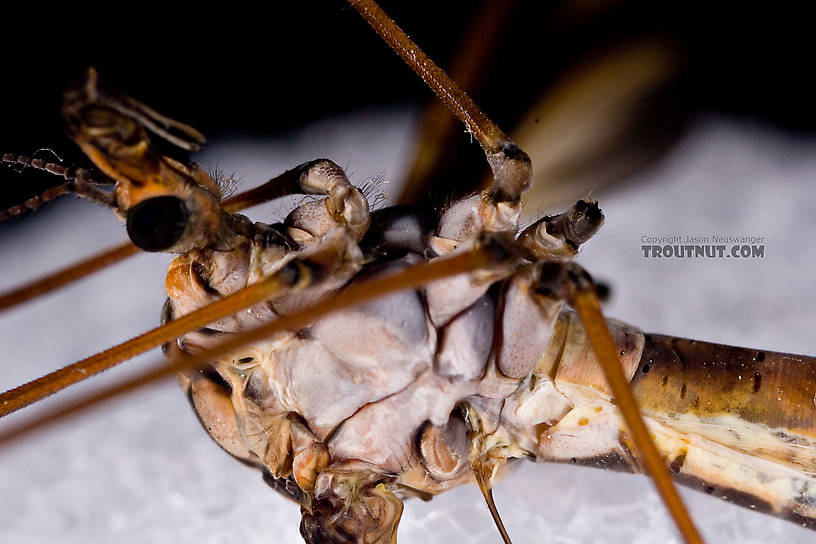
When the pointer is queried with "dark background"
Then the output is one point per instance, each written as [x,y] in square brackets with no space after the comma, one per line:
[235,68]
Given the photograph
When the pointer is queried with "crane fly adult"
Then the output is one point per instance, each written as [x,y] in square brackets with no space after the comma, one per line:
[644,372]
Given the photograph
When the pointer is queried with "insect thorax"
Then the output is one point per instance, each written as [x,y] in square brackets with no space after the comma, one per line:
[407,389]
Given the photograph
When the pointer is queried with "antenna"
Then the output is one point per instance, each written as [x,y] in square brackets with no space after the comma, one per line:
[82,182]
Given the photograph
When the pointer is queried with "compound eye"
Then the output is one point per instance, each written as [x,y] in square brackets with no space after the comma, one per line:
[157,223]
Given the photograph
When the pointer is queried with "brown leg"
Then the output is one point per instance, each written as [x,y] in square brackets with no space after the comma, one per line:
[440,130]
[318,263]
[512,171]
[483,476]
[279,186]
[296,273]
[582,297]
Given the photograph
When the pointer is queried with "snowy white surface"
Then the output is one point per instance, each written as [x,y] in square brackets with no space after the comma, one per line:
[142,470]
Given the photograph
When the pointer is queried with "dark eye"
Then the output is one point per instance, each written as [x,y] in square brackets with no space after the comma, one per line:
[157,223]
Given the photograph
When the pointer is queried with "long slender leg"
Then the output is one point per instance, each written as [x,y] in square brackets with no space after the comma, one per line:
[511,177]
[297,272]
[511,167]
[583,298]
[67,275]
[277,187]
[512,171]
[439,130]
[31,392]
[483,480]
[329,257]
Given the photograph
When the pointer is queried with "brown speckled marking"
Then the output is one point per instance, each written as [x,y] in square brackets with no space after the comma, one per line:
[775,389]
[610,461]
[677,463]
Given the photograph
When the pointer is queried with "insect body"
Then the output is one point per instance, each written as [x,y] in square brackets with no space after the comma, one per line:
[205,485]
[248,364]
